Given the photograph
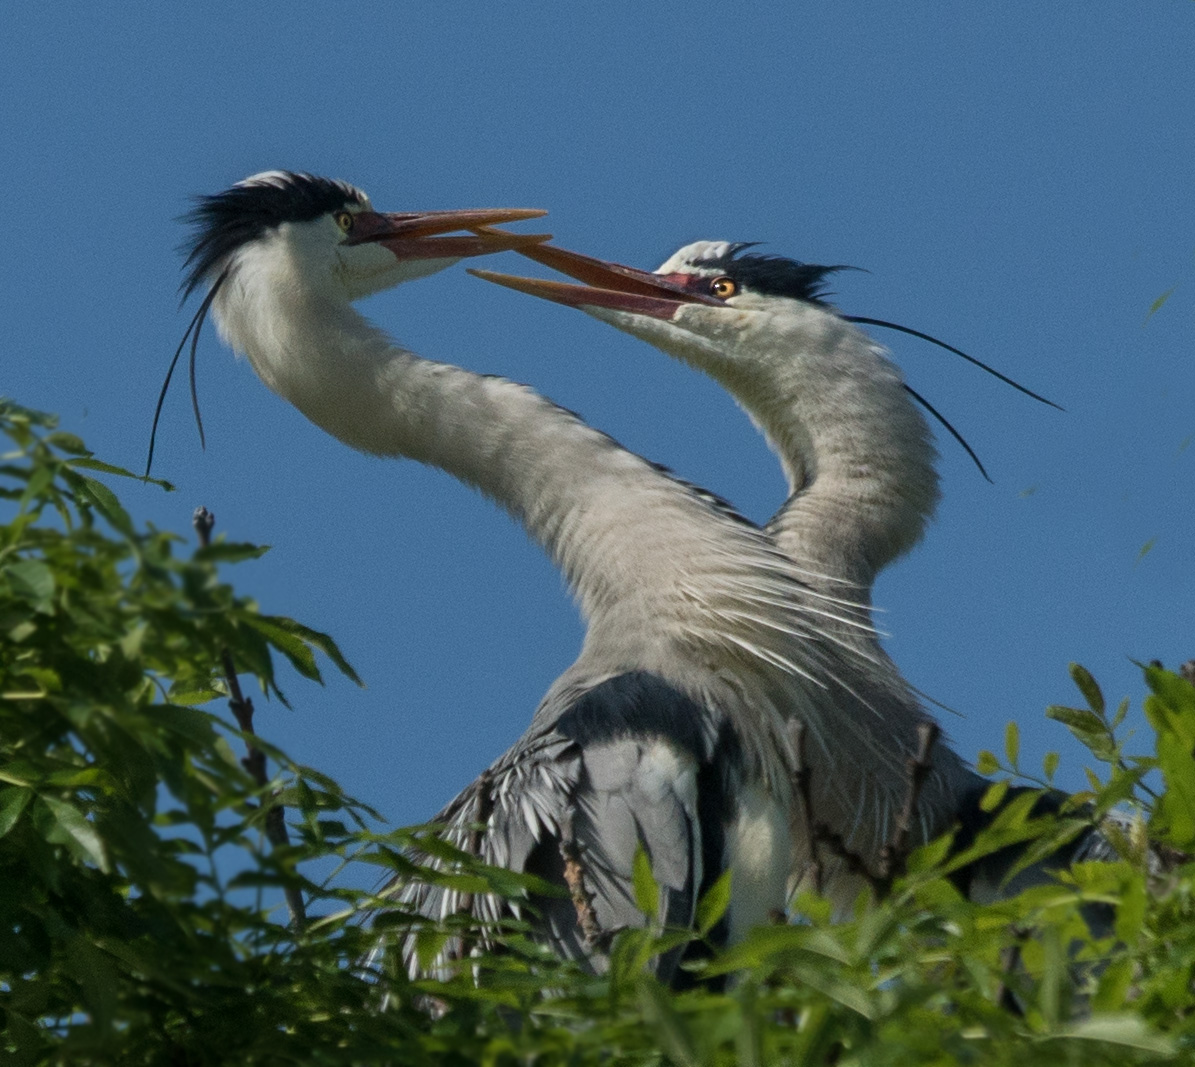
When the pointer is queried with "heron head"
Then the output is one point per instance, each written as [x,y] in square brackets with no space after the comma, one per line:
[323,235]
[736,315]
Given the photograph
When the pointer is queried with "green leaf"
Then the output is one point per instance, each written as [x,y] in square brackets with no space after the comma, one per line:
[1114,985]
[190,695]
[1123,1029]
[1122,709]
[929,856]
[12,803]
[713,903]
[102,499]
[994,796]
[324,643]
[670,1030]
[70,827]
[1087,726]
[285,641]
[1049,765]
[66,442]
[33,581]
[1089,688]
[1156,306]
[1130,913]
[1012,743]
[647,889]
[295,641]
[1174,813]
[230,552]
[986,762]
[92,464]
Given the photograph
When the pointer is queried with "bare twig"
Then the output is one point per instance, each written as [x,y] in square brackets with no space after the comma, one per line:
[801,784]
[574,878]
[851,860]
[894,855]
[255,759]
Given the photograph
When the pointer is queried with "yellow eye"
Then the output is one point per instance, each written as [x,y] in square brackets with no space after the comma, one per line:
[344,220]
[723,288]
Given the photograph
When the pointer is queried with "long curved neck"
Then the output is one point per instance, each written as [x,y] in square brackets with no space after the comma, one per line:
[856,452]
[643,554]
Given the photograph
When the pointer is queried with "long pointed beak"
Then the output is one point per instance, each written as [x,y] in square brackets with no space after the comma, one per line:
[414,234]
[608,285]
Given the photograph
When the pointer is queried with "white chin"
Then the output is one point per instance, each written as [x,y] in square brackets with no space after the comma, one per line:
[395,273]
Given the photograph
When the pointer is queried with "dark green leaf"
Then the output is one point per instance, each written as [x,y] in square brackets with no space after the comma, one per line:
[1089,688]
[66,442]
[71,827]
[317,640]
[102,499]
[12,803]
[230,552]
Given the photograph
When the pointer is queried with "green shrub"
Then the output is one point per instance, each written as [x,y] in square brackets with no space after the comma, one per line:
[141,916]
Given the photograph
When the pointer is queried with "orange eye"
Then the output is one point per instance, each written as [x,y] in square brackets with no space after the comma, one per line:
[344,219]
[723,288]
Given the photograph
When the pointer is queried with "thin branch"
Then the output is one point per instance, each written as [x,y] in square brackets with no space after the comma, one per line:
[894,855]
[1010,963]
[574,878]
[255,759]
[851,860]
[802,776]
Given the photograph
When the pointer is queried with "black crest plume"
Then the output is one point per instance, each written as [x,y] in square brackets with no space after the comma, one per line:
[770,275]
[225,222]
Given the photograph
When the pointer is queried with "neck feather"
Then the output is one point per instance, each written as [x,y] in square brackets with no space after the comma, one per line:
[856,452]
[644,554]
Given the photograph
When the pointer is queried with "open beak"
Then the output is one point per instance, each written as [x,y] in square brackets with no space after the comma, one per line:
[607,285]
[415,234]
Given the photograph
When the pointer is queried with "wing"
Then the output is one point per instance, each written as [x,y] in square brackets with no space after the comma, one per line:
[626,763]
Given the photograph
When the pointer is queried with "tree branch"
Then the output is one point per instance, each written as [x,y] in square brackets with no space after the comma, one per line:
[255,759]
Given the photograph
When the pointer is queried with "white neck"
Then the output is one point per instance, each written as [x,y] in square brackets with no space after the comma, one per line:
[661,575]
[860,467]
[856,452]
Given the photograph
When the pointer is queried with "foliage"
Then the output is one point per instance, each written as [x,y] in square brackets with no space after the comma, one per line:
[139,914]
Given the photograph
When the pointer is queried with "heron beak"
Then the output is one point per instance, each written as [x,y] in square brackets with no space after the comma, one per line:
[414,235]
[608,285]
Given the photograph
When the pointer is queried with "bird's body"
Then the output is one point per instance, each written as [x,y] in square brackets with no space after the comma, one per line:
[703,642]
[859,461]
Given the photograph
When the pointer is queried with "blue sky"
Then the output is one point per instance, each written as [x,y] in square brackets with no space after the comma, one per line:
[1019,179]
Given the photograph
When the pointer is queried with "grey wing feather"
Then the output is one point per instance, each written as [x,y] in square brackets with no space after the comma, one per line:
[616,768]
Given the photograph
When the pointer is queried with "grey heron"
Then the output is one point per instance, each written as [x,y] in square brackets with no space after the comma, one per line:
[856,452]
[670,731]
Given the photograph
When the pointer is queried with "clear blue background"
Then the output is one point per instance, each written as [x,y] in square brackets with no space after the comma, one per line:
[1017,177]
